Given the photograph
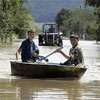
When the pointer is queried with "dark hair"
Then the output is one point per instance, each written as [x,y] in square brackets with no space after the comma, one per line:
[31,31]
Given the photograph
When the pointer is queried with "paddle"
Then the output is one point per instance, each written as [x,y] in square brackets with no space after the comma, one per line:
[45,58]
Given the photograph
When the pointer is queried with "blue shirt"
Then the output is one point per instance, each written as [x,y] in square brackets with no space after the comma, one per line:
[27,48]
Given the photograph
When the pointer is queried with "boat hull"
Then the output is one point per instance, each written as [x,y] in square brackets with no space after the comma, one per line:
[46,70]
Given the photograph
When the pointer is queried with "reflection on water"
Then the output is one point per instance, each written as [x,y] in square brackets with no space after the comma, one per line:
[15,88]
[25,89]
[41,89]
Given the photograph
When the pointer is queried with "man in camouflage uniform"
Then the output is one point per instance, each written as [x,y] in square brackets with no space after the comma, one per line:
[75,54]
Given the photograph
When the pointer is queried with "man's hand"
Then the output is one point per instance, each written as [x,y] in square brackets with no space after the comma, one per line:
[35,54]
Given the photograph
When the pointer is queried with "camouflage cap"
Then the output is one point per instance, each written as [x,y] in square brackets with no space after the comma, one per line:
[74,36]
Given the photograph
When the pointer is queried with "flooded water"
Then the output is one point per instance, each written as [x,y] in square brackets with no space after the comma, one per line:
[16,88]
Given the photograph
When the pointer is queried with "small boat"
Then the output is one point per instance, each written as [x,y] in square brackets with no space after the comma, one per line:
[46,70]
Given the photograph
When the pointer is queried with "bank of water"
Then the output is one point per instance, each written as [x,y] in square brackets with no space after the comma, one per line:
[16,88]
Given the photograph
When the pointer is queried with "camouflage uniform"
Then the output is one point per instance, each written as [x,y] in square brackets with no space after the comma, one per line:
[76,56]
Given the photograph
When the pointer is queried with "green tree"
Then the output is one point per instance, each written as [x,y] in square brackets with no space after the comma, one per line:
[96,4]
[93,2]
[61,16]
[75,21]
[15,18]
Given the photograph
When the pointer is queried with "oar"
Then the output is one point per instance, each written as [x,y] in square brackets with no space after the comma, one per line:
[45,58]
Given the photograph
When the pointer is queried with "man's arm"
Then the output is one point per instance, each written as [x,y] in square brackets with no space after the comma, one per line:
[66,56]
[17,53]
[60,51]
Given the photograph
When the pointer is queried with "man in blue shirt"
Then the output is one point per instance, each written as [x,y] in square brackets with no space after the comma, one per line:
[29,51]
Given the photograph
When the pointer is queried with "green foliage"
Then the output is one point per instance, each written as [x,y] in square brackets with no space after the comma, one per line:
[97,12]
[62,15]
[15,18]
[75,21]
[96,4]
[61,20]
[91,29]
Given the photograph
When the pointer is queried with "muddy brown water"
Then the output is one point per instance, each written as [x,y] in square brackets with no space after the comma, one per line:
[17,88]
